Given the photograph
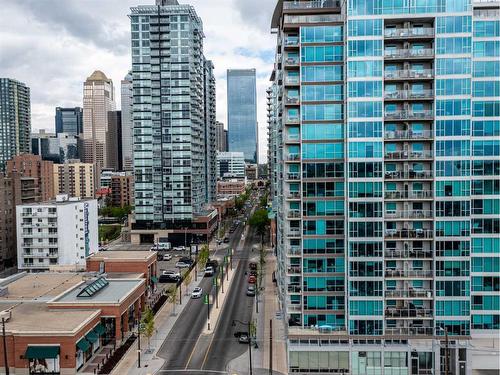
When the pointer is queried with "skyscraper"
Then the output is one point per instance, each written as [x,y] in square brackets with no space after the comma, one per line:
[127,123]
[221,137]
[98,100]
[242,113]
[114,140]
[385,151]
[69,120]
[174,115]
[210,132]
[15,119]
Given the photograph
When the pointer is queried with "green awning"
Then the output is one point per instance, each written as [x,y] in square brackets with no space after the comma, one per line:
[154,279]
[99,329]
[41,352]
[83,345]
[92,337]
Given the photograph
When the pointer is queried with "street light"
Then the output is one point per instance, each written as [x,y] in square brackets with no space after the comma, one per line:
[249,341]
[447,350]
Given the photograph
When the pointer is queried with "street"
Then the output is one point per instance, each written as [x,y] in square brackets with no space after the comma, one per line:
[186,348]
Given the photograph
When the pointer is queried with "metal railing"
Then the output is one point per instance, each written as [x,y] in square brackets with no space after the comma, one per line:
[409,214]
[423,194]
[293,214]
[294,269]
[317,18]
[291,100]
[410,175]
[294,288]
[408,313]
[293,157]
[409,293]
[409,115]
[316,4]
[409,94]
[403,155]
[408,273]
[409,32]
[291,41]
[293,195]
[409,73]
[408,53]
[293,176]
[294,250]
[292,80]
[408,134]
[291,61]
[411,331]
[293,233]
[409,233]
[412,253]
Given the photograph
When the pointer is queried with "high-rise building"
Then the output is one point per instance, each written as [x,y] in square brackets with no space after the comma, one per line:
[173,118]
[127,123]
[114,140]
[210,132]
[242,113]
[74,179]
[98,100]
[230,165]
[58,148]
[221,137]
[385,150]
[69,120]
[15,119]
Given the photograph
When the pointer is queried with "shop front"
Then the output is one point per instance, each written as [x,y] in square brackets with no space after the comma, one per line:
[43,359]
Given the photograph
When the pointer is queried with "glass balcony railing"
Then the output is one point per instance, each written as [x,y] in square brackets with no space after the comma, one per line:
[292,100]
[411,293]
[316,4]
[409,155]
[408,273]
[409,233]
[409,32]
[408,53]
[410,331]
[394,312]
[291,61]
[293,157]
[409,73]
[408,175]
[292,41]
[293,232]
[293,195]
[409,115]
[419,194]
[292,80]
[408,134]
[407,253]
[293,176]
[316,18]
[293,214]
[409,214]
[409,94]
[291,118]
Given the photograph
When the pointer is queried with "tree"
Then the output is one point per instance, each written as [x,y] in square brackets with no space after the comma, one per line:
[203,255]
[147,326]
[187,281]
[172,297]
[260,221]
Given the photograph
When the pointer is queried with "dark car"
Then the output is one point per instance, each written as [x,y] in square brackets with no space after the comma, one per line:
[226,240]
[252,266]
[163,279]
[253,273]
[186,260]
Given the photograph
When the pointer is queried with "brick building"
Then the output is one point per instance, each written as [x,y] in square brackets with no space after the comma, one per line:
[122,190]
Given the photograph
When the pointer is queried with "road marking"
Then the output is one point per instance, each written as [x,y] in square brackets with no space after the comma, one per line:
[192,371]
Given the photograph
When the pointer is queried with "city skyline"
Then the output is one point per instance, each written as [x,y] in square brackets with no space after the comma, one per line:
[104,44]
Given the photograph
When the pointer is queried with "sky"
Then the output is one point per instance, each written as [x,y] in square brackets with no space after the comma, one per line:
[54,45]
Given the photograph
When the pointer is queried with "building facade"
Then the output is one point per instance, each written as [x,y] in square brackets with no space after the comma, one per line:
[384,144]
[230,165]
[221,137]
[171,116]
[210,132]
[114,140]
[74,179]
[242,113]
[58,148]
[69,120]
[58,233]
[15,119]
[127,123]
[122,191]
[98,100]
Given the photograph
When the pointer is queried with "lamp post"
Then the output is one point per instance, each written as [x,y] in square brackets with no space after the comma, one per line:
[447,350]
[248,324]
[138,343]
[5,347]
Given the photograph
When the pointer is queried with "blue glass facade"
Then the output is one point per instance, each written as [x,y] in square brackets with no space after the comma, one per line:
[242,113]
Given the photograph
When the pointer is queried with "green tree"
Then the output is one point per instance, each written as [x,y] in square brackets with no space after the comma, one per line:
[260,222]
[147,326]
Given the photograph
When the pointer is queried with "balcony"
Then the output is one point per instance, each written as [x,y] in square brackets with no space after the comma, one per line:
[292,80]
[293,233]
[294,270]
[409,175]
[409,115]
[408,134]
[411,293]
[293,214]
[410,331]
[291,62]
[408,273]
[292,119]
[294,289]
[293,176]
[409,155]
[412,32]
[291,41]
[409,94]
[409,74]
[293,157]
[409,233]
[316,4]
[423,194]
[295,20]
[407,53]
[408,254]
[294,250]
[409,214]
[408,313]
[291,100]
[293,195]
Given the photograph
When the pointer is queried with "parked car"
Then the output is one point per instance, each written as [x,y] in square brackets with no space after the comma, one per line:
[197,292]
[167,256]
[252,266]
[167,279]
[209,271]
[252,279]
[182,265]
[244,339]
[175,274]
[186,260]
[226,240]
[253,273]
[251,291]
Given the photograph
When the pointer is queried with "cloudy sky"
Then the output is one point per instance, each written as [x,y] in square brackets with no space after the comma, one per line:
[53,45]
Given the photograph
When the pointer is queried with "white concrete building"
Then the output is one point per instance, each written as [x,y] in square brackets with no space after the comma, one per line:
[230,165]
[58,233]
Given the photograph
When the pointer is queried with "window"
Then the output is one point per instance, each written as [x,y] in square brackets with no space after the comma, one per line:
[453,24]
[321,34]
[454,86]
[365,149]
[486,68]
[490,48]
[453,66]
[486,88]
[322,151]
[364,27]
[452,148]
[322,92]
[365,109]
[365,129]
[365,89]
[322,112]
[364,68]
[326,73]
[457,45]
[322,53]
[486,28]
[360,48]
[486,109]
[458,107]
[322,131]
[446,128]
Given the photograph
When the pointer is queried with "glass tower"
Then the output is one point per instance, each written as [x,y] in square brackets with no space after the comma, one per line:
[384,122]
[242,113]
[15,120]
[69,120]
[172,117]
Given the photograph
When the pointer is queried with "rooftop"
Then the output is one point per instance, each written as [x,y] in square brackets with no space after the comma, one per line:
[123,255]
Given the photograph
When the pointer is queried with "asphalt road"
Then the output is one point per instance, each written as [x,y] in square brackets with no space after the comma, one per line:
[186,349]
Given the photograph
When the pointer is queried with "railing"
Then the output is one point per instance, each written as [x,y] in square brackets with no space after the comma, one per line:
[293,176]
[316,4]
[293,157]
[402,155]
[408,134]
[293,214]
[40,255]
[291,100]
[294,288]
[413,253]
[319,18]
[293,233]
[406,53]
[409,73]
[294,250]
[487,13]
[291,41]
[411,331]
[424,194]
[409,214]
[293,307]
[408,175]
[294,269]
[409,32]
[291,61]
[409,115]
[409,94]
[291,80]
[293,119]
[408,313]
[293,195]
[409,233]
[408,273]
[408,293]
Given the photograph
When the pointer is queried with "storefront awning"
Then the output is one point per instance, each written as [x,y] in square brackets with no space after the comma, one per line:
[41,352]
[99,329]
[83,345]
[154,279]
[92,337]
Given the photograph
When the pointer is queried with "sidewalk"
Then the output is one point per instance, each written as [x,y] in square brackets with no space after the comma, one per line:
[268,306]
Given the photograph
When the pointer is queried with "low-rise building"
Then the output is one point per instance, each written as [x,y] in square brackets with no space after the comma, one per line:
[251,172]
[58,233]
[75,179]
[230,187]
[230,165]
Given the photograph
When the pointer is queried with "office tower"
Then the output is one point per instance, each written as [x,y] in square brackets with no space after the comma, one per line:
[170,115]
[221,137]
[15,119]
[74,179]
[385,125]
[230,165]
[127,123]
[69,120]
[98,100]
[114,140]
[210,132]
[242,113]
[58,148]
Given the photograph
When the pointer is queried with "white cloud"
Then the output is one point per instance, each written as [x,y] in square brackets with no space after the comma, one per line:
[53,45]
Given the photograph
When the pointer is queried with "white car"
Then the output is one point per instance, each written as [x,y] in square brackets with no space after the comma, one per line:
[181,265]
[167,256]
[197,292]
[172,274]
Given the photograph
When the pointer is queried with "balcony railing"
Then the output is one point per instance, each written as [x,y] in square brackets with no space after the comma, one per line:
[409,73]
[408,134]
[291,100]
[294,289]
[409,94]
[409,233]
[410,175]
[408,313]
[409,115]
[294,270]
[293,176]
[294,250]
[316,4]
[292,119]
[317,18]
[291,61]
[293,233]
[410,331]
[293,214]
[405,254]
[293,157]
[408,293]
[408,273]
[409,214]
[291,41]
[293,195]
[408,53]
[423,194]
[408,155]
[409,32]
[292,80]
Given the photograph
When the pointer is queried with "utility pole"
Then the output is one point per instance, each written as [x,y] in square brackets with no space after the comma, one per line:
[5,347]
[270,347]
[447,348]
[250,348]
[138,344]
[180,293]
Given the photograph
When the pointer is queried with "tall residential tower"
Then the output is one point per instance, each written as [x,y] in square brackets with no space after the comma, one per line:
[127,122]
